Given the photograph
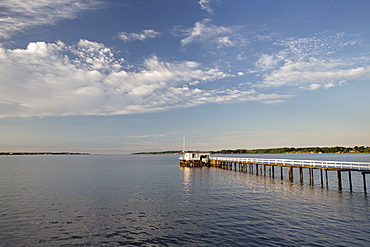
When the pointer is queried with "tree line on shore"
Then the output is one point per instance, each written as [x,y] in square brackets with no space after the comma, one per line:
[284,150]
[41,153]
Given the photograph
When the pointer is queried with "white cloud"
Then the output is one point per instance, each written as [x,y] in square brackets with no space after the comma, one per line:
[314,71]
[145,34]
[267,62]
[19,15]
[316,86]
[205,5]
[206,31]
[154,135]
[311,63]
[54,79]
[225,41]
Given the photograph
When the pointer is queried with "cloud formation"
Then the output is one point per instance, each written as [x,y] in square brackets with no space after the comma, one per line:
[311,63]
[143,35]
[205,31]
[18,16]
[54,79]
[205,5]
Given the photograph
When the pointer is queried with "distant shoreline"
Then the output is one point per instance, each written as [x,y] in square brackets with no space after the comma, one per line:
[42,153]
[284,150]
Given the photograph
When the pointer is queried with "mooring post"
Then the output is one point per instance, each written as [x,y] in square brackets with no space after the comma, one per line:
[364,181]
[322,180]
[301,175]
[339,180]
[350,181]
[290,170]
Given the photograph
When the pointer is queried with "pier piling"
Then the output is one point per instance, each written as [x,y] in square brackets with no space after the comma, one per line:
[281,173]
[364,181]
[350,181]
[339,180]
[290,172]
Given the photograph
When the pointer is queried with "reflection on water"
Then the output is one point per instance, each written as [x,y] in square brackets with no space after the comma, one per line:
[149,201]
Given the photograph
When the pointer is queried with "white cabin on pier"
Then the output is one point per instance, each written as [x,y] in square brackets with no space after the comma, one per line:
[195,156]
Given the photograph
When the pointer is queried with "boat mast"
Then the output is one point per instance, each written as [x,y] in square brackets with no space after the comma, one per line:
[183,144]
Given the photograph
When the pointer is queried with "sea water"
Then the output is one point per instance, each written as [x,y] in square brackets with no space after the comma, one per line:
[149,200]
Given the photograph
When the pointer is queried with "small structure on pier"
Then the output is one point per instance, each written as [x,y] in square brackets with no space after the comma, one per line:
[194,159]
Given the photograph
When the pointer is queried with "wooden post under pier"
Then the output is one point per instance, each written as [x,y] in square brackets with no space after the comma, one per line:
[364,181]
[339,180]
[281,173]
[290,171]
[273,171]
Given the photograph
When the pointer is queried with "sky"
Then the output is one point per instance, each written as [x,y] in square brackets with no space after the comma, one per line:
[122,76]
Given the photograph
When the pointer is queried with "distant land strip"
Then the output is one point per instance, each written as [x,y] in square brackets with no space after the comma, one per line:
[42,153]
[284,150]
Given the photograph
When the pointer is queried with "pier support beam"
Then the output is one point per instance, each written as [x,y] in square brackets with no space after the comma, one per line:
[310,173]
[326,179]
[270,171]
[364,181]
[290,171]
[281,173]
[273,171]
[350,181]
[322,179]
[339,174]
[301,175]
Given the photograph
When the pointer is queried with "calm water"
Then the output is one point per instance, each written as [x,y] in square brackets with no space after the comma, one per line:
[113,200]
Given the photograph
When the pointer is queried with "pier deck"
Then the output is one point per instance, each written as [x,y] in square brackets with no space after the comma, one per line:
[258,167]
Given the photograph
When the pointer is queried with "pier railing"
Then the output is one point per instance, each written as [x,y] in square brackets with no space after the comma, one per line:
[340,165]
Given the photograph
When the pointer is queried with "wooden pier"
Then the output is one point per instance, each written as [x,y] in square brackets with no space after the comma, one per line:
[264,167]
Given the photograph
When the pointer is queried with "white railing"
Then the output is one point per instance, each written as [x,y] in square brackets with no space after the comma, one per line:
[360,166]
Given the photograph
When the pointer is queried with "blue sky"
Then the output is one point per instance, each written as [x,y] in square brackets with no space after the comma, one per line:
[119,76]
